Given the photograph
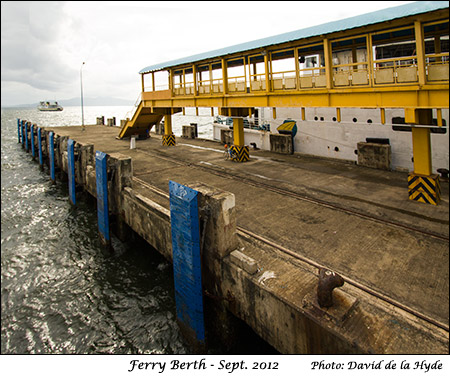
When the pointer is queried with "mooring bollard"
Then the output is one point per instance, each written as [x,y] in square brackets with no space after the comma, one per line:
[51,153]
[32,140]
[39,136]
[101,175]
[185,229]
[71,170]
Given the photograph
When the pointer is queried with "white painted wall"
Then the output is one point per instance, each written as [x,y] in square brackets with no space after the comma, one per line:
[319,134]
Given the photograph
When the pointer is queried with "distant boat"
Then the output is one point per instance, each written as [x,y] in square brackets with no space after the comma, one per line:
[49,106]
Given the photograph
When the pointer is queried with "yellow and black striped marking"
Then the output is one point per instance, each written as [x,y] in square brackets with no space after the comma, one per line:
[425,189]
[241,152]
[168,140]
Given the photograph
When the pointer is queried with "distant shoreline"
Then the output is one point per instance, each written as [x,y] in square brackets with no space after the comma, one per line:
[68,105]
[75,102]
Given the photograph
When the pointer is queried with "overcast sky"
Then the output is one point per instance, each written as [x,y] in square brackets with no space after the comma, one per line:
[45,43]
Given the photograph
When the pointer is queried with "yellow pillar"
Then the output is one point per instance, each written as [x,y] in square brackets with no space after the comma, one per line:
[167,124]
[297,70]
[194,72]
[421,151]
[241,151]
[338,114]
[421,139]
[266,73]
[423,186]
[328,62]
[168,138]
[153,82]
[142,81]
[274,112]
[420,51]
[238,131]
[383,115]
[303,113]
[225,76]
[439,117]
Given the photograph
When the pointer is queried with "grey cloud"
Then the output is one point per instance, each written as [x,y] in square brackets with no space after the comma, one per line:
[29,50]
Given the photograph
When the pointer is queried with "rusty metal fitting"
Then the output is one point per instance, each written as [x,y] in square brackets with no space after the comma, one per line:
[328,281]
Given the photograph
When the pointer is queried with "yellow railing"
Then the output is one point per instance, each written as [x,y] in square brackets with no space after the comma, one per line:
[204,87]
[286,80]
[373,73]
[352,74]
[258,82]
[312,77]
[186,88]
[237,84]
[437,67]
[397,71]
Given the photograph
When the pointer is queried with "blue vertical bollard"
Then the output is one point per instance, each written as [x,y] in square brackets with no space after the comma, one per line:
[71,170]
[185,227]
[101,175]
[51,153]
[32,140]
[26,136]
[18,130]
[39,137]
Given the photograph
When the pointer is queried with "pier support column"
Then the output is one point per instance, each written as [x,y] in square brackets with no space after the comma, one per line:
[185,228]
[101,175]
[22,126]
[26,135]
[121,171]
[39,138]
[32,140]
[242,151]
[71,170]
[423,185]
[168,138]
[217,240]
[18,131]
[51,154]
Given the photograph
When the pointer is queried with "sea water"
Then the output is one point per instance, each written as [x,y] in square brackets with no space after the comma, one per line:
[62,291]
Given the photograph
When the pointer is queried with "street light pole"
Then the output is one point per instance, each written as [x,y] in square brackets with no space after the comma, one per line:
[82,108]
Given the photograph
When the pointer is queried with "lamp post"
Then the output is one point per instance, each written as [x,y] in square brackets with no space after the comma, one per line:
[82,109]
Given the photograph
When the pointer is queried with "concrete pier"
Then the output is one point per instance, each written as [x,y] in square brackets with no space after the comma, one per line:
[268,225]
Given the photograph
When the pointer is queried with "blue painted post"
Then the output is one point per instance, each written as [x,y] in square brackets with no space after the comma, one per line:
[26,136]
[184,220]
[32,140]
[101,176]
[71,170]
[18,130]
[39,135]
[51,153]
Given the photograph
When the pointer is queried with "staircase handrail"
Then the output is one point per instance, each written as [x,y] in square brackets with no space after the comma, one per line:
[130,114]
